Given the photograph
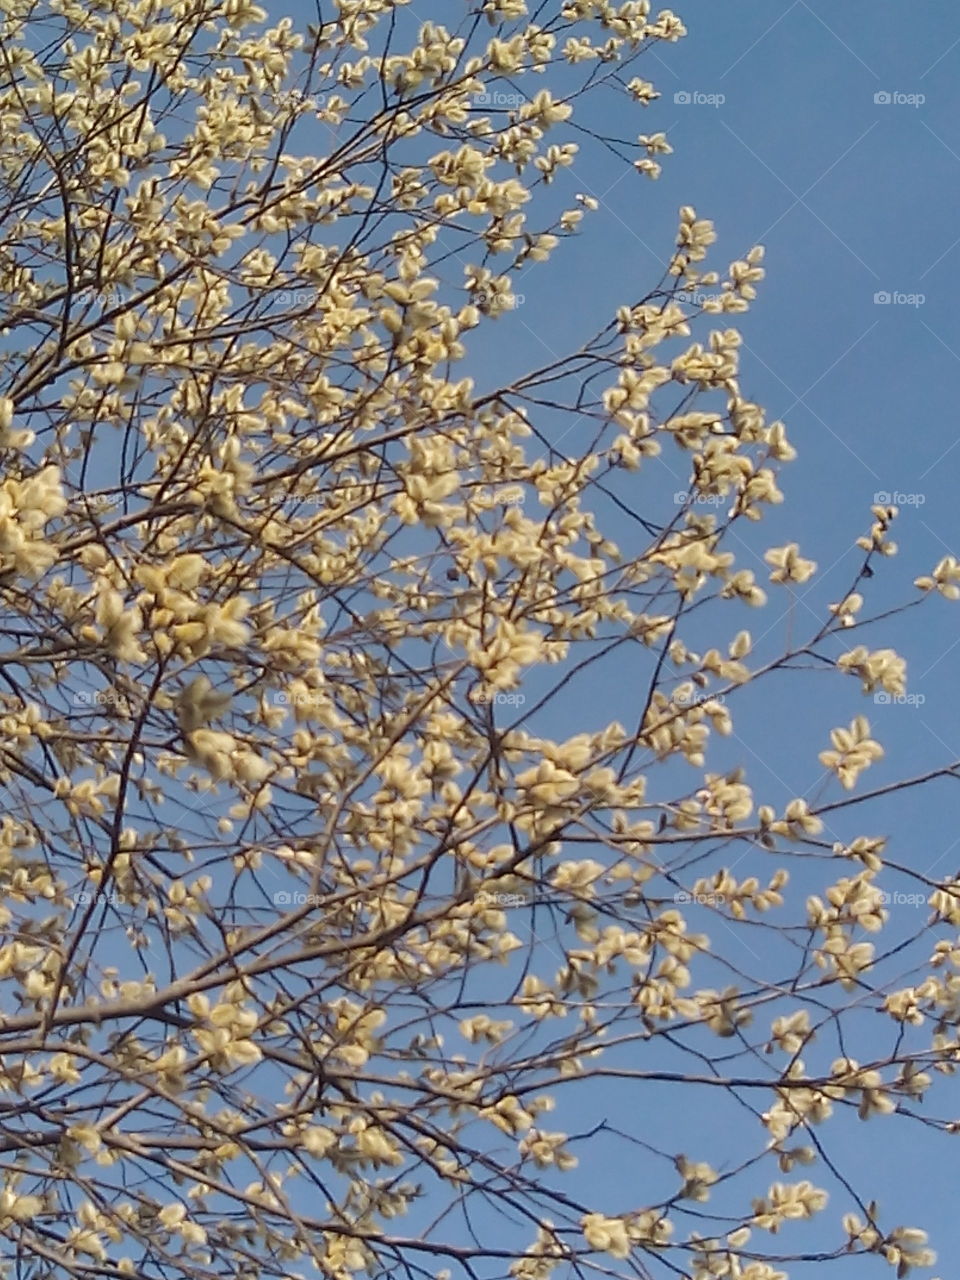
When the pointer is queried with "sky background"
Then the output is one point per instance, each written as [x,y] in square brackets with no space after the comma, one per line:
[854,197]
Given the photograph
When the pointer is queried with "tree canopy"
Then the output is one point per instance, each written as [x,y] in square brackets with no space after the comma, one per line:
[319,889]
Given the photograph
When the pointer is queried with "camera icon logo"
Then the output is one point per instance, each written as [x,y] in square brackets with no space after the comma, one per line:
[682,98]
[882,99]
[882,298]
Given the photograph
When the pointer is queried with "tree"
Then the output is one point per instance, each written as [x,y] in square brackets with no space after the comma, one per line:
[308,921]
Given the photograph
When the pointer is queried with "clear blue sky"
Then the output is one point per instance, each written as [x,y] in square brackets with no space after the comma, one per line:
[852,197]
